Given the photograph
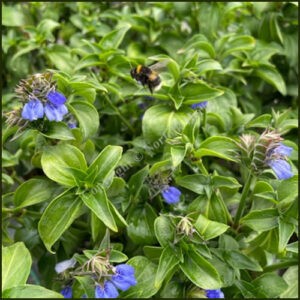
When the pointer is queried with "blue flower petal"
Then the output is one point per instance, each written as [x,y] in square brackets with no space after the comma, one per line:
[200,105]
[171,195]
[107,291]
[125,269]
[67,292]
[123,282]
[56,98]
[214,293]
[54,112]
[33,110]
[281,167]
[283,150]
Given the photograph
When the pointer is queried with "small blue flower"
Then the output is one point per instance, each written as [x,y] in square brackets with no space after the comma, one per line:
[281,167]
[107,291]
[56,98]
[214,293]
[171,195]
[124,277]
[33,110]
[67,292]
[55,112]
[72,124]
[200,105]
[276,159]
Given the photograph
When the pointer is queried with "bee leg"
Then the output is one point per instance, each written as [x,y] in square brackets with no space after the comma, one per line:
[150,88]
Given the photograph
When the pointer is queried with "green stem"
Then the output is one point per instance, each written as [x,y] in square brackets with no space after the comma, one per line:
[204,118]
[281,265]
[201,167]
[243,200]
[119,114]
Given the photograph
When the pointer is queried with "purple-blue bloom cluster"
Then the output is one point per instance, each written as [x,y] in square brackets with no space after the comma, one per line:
[171,195]
[276,159]
[200,105]
[67,292]
[54,109]
[214,293]
[122,280]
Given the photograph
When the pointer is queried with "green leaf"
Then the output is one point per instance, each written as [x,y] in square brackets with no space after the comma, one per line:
[34,191]
[86,282]
[58,130]
[167,262]
[239,260]
[261,220]
[272,76]
[141,225]
[267,280]
[16,265]
[136,181]
[269,29]
[291,278]
[218,146]
[164,231]
[261,121]
[200,271]
[117,256]
[197,92]
[209,229]
[224,182]
[12,16]
[60,163]
[190,131]
[161,121]
[87,116]
[238,43]
[197,183]
[177,155]
[114,38]
[288,190]
[30,291]
[105,162]
[285,231]
[145,276]
[58,216]
[206,65]
[99,204]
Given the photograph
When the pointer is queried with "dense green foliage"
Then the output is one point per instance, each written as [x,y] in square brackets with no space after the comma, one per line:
[96,190]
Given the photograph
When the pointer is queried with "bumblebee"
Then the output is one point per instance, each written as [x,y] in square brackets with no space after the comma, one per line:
[148,75]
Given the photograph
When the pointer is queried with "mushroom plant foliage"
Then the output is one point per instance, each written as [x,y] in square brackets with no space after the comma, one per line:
[110,190]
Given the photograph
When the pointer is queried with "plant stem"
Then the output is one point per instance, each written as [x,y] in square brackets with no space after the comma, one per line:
[243,200]
[281,265]
[119,114]
[201,166]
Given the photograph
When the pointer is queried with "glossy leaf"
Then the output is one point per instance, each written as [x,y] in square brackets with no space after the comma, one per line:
[34,191]
[30,291]
[58,161]
[164,231]
[200,271]
[58,216]
[16,265]
[167,262]
[209,229]
[87,116]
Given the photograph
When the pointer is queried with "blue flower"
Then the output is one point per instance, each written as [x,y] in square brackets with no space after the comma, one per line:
[214,293]
[55,112]
[200,105]
[72,124]
[124,277]
[56,98]
[107,291]
[33,110]
[276,159]
[171,195]
[281,167]
[67,292]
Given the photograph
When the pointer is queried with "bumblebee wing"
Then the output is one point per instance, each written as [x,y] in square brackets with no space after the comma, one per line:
[159,65]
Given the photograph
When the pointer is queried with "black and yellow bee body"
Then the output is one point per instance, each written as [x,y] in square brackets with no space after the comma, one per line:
[146,76]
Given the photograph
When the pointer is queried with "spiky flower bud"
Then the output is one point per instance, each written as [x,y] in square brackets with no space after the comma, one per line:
[264,151]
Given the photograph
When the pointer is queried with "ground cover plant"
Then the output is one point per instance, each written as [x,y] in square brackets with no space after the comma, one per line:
[115,188]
